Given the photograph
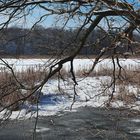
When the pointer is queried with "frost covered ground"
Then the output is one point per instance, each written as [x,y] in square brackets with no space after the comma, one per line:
[89,90]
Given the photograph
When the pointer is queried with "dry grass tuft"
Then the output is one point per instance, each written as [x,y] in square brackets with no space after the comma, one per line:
[125,95]
[11,92]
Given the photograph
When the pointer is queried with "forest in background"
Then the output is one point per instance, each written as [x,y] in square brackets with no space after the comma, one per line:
[54,41]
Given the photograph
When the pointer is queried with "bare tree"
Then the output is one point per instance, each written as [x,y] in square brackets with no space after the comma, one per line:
[118,20]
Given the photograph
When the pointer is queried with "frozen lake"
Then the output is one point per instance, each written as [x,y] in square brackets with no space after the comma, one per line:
[20,64]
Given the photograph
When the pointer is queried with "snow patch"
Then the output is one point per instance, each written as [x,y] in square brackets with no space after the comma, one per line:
[136,131]
[136,120]
[41,129]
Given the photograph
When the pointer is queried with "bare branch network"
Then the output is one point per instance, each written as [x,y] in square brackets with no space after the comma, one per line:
[118,20]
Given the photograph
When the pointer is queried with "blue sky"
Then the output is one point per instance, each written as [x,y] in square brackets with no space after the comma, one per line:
[50,20]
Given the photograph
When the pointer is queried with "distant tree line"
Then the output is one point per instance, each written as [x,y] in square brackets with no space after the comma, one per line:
[54,41]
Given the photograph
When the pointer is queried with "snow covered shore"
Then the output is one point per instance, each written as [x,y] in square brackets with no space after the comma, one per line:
[89,90]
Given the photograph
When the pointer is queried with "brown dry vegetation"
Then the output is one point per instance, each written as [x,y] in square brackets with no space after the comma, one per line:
[11,93]
[127,84]
[131,78]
